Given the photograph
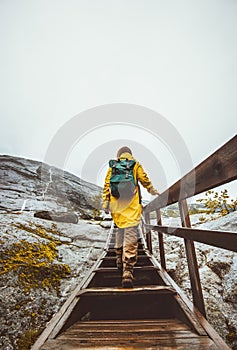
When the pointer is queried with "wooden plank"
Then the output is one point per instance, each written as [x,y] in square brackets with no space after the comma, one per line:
[221,239]
[130,325]
[113,258]
[171,325]
[193,320]
[122,335]
[148,344]
[148,234]
[194,276]
[161,240]
[192,261]
[216,170]
[128,332]
[115,269]
[119,290]
[161,321]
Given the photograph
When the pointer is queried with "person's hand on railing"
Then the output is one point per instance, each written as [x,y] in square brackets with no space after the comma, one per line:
[153,191]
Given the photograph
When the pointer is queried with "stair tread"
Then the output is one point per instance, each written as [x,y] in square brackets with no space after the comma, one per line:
[127,330]
[114,257]
[116,290]
[146,344]
[130,326]
[167,332]
[136,268]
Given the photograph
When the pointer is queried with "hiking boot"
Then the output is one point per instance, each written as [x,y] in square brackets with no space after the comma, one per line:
[127,280]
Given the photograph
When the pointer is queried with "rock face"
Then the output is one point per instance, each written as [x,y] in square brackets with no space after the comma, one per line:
[33,186]
[46,247]
[41,262]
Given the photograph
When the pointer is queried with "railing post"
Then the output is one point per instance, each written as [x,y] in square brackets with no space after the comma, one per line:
[198,300]
[148,234]
[161,241]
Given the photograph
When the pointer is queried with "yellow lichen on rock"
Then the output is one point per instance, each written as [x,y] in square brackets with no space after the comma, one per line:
[27,339]
[35,264]
[39,231]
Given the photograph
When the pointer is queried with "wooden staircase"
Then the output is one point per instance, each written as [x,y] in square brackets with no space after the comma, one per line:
[151,315]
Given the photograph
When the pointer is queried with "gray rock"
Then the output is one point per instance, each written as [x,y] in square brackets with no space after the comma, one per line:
[57,216]
[36,186]
[27,310]
[105,224]
[27,188]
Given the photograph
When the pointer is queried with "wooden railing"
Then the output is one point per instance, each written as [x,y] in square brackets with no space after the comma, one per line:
[218,169]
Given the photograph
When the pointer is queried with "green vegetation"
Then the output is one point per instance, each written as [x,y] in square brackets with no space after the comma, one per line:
[172,213]
[220,203]
[27,339]
[34,262]
[194,210]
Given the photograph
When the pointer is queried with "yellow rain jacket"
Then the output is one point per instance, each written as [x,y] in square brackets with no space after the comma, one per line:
[127,213]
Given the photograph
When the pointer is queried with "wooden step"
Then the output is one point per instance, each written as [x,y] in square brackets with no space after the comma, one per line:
[148,302]
[112,277]
[171,343]
[110,261]
[131,325]
[112,239]
[112,244]
[137,290]
[140,303]
[111,251]
[130,334]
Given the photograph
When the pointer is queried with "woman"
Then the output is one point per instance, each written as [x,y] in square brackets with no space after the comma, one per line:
[126,213]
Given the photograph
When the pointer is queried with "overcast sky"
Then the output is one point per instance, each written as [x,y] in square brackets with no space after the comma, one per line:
[60,58]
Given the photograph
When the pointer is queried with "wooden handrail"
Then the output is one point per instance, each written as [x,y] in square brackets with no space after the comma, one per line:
[216,170]
[220,239]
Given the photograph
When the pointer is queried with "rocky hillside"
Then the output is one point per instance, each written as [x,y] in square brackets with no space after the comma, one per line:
[42,261]
[33,186]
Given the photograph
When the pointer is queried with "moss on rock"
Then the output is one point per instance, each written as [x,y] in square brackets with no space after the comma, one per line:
[27,339]
[34,264]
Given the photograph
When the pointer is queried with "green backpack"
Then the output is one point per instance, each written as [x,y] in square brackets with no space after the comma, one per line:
[122,182]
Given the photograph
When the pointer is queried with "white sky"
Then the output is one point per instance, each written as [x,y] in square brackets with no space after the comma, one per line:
[62,57]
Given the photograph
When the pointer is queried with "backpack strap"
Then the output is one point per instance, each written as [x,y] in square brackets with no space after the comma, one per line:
[127,168]
[114,167]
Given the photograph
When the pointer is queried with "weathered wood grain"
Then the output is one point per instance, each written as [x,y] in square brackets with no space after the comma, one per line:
[216,170]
